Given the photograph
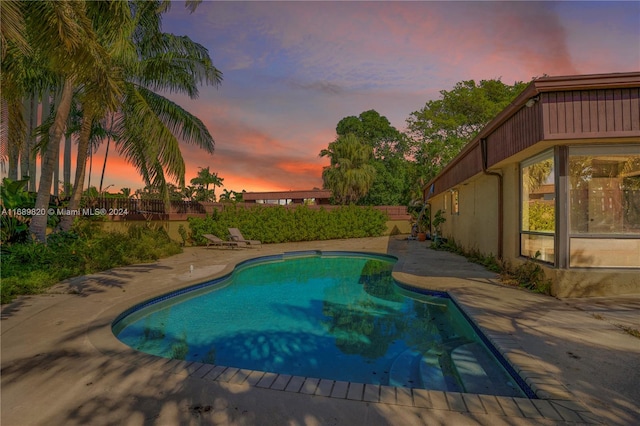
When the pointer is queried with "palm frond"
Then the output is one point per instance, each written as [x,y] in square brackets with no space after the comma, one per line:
[13,29]
[143,129]
[181,123]
[177,64]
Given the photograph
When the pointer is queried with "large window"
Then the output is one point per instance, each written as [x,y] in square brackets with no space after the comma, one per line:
[604,206]
[538,210]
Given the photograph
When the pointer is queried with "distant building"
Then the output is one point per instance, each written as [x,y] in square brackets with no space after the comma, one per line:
[313,196]
[554,177]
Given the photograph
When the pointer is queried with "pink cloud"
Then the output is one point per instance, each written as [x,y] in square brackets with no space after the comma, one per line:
[294,69]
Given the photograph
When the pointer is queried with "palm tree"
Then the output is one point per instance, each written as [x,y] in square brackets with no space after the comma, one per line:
[203,180]
[106,154]
[62,34]
[226,195]
[148,126]
[85,48]
[349,176]
[126,192]
[13,30]
[24,79]
[91,134]
[169,63]
[14,47]
[189,193]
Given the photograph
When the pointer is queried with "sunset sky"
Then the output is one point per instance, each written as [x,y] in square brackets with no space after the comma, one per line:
[292,70]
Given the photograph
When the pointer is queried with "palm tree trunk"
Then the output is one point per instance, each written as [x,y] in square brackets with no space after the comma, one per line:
[106,153]
[90,167]
[81,166]
[15,136]
[26,145]
[32,143]
[38,225]
[46,111]
[66,158]
[104,165]
[67,166]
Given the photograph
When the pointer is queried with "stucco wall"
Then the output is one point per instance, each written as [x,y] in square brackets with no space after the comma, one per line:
[593,282]
[511,237]
[476,225]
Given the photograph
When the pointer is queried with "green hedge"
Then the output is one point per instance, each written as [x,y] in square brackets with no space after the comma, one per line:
[277,224]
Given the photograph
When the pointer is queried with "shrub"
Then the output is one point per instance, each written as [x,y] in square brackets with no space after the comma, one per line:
[278,224]
[32,267]
[529,275]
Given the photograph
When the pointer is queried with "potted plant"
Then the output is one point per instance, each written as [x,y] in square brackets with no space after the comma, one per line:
[438,220]
[423,222]
[420,221]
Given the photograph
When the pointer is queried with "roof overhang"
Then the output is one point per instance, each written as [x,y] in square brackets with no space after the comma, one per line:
[542,85]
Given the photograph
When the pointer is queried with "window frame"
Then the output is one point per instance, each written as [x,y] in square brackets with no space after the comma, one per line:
[544,155]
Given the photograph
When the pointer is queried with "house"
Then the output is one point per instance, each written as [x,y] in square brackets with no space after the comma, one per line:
[312,196]
[555,178]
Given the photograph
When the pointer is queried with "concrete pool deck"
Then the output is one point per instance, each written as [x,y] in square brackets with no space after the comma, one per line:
[61,365]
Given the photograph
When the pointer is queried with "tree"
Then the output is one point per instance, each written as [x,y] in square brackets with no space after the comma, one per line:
[189,192]
[227,195]
[148,126]
[62,35]
[350,174]
[165,63]
[391,185]
[202,182]
[444,126]
[25,79]
[376,131]
[238,196]
[86,48]
[126,192]
[231,195]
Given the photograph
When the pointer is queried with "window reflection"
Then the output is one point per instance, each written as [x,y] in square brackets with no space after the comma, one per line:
[538,208]
[604,190]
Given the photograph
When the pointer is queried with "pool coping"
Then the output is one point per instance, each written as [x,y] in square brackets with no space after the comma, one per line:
[555,403]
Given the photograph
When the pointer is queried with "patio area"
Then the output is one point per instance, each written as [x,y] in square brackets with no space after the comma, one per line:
[62,365]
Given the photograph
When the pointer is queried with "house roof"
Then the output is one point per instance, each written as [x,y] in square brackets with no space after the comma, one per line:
[560,84]
[286,195]
[533,90]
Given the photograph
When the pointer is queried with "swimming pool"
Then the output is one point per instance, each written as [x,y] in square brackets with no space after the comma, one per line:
[328,315]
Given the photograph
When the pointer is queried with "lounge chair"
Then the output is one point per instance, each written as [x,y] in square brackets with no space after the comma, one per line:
[236,236]
[215,241]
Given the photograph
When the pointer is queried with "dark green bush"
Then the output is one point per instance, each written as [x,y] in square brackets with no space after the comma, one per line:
[31,267]
[278,224]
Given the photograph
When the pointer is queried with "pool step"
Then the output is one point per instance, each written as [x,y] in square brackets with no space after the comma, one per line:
[403,370]
[413,370]
[478,372]
[431,373]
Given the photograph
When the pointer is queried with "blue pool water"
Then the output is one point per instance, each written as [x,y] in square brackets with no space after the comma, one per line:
[326,315]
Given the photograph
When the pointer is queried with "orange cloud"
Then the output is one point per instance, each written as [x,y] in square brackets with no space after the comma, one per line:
[301,168]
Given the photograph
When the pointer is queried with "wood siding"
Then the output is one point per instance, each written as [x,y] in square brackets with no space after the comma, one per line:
[591,113]
[467,166]
[521,131]
[581,113]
